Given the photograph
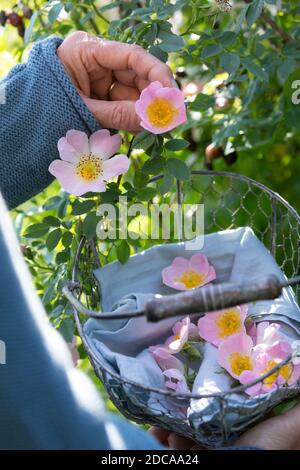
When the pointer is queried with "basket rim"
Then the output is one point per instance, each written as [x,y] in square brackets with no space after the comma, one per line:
[96,362]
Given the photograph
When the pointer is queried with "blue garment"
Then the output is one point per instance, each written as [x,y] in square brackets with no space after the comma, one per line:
[42,104]
[45,403]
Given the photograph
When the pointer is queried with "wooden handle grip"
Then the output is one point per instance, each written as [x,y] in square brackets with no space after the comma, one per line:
[214,297]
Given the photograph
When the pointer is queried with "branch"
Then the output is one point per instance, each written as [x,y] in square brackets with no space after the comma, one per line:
[267,19]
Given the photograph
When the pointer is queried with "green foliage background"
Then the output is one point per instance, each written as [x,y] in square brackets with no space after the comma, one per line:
[236,69]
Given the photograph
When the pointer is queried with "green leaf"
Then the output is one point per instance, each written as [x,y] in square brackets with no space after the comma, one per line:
[143,140]
[36,230]
[110,195]
[153,166]
[240,19]
[49,293]
[178,168]
[54,12]
[151,34]
[83,207]
[62,257]
[285,406]
[66,329]
[146,194]
[123,251]
[140,180]
[202,102]
[228,38]
[157,52]
[90,224]
[254,11]
[170,42]
[211,50]
[166,183]
[53,239]
[52,221]
[251,66]
[67,239]
[176,144]
[62,208]
[230,62]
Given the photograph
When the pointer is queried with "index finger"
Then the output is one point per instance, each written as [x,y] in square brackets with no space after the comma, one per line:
[119,56]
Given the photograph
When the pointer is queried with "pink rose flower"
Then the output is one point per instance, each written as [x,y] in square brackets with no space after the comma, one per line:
[176,381]
[235,354]
[215,327]
[181,329]
[85,163]
[185,274]
[165,360]
[288,374]
[160,108]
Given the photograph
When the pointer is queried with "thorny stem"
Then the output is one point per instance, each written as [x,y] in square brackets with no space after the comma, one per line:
[128,156]
[267,19]
[45,268]
[98,12]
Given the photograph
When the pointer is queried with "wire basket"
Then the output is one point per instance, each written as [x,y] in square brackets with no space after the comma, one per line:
[231,201]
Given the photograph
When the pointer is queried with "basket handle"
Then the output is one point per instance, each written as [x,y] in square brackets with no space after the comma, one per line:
[206,299]
[214,297]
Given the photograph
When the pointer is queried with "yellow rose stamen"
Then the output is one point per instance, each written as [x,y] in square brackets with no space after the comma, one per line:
[89,167]
[229,323]
[161,112]
[240,362]
[191,279]
[285,371]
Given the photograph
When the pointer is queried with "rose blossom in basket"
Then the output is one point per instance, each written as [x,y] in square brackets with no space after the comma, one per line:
[288,374]
[270,350]
[160,108]
[176,381]
[165,359]
[214,327]
[183,331]
[235,354]
[85,163]
[185,274]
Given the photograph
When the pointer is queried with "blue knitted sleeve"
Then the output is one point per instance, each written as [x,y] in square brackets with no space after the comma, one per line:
[41,104]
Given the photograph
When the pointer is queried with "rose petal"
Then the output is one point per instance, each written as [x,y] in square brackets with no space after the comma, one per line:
[104,144]
[115,166]
[79,141]
[67,151]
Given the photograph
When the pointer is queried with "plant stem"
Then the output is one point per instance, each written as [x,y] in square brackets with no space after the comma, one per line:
[128,156]
[98,12]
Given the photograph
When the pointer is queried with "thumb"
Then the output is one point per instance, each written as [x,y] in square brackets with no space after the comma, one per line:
[118,115]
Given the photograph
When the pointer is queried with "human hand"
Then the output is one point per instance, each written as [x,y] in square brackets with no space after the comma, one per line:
[279,433]
[173,440]
[110,76]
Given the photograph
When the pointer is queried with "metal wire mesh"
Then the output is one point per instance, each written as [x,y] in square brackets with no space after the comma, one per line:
[231,201]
